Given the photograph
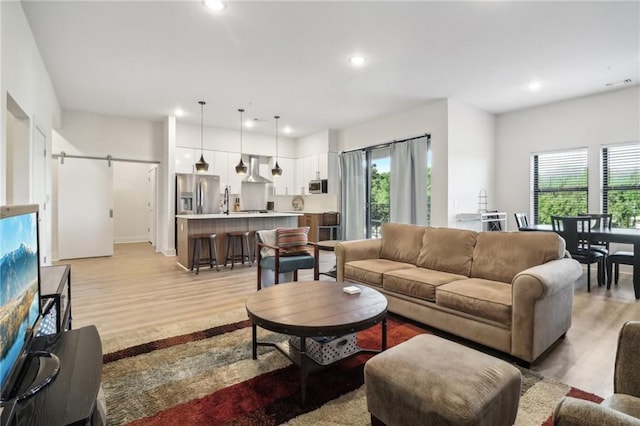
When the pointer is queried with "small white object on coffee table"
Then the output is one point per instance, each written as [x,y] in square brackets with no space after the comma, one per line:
[352,289]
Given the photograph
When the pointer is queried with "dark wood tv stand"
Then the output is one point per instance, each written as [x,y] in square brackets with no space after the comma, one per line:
[71,398]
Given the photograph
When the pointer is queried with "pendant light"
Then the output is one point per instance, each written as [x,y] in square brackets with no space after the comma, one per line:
[201,165]
[277,170]
[241,168]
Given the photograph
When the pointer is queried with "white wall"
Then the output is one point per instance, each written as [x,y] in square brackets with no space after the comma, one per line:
[101,135]
[130,198]
[18,160]
[471,158]
[590,122]
[430,118]
[188,136]
[24,77]
[317,143]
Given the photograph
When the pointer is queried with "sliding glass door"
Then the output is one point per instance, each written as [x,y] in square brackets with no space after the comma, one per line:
[378,189]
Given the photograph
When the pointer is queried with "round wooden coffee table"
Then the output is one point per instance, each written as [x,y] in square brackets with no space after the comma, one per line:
[314,308]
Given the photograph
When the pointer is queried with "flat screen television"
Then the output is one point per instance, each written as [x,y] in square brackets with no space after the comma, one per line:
[21,374]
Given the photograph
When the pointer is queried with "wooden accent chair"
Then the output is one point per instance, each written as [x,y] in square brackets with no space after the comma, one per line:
[283,255]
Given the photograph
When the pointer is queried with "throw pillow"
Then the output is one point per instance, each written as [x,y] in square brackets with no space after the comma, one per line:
[293,241]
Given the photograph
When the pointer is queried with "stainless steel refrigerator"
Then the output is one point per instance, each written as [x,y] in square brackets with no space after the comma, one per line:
[197,194]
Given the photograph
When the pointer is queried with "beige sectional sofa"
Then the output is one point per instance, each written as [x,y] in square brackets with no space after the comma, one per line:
[511,291]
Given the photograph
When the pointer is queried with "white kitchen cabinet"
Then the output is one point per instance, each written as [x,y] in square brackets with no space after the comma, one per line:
[221,167]
[184,160]
[323,166]
[235,180]
[285,184]
[310,168]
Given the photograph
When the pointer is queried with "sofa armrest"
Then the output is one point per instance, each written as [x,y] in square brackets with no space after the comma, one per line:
[542,304]
[546,279]
[578,412]
[348,251]
[627,374]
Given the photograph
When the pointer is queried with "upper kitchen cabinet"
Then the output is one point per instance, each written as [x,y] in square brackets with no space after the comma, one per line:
[185,160]
[285,184]
[309,168]
[225,167]
[221,166]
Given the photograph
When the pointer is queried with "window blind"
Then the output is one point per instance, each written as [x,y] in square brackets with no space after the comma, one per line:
[560,184]
[621,184]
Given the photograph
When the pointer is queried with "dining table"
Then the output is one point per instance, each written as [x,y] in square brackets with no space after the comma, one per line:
[611,235]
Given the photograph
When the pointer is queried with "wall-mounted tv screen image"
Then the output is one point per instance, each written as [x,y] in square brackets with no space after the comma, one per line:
[19,276]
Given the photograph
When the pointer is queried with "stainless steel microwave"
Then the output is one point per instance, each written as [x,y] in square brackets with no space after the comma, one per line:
[318,186]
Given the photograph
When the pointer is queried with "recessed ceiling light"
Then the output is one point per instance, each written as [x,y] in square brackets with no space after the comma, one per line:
[287,130]
[214,5]
[179,112]
[248,124]
[357,60]
[534,86]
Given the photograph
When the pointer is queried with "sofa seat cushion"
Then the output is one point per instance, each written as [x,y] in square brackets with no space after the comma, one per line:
[418,282]
[475,296]
[370,271]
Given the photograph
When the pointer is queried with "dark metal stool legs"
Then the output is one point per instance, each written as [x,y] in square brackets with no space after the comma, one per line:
[233,238]
[197,250]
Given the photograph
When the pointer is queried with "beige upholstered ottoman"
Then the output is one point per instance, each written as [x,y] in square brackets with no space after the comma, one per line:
[428,380]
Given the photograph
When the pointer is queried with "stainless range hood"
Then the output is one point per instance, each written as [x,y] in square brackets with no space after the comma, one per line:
[254,171]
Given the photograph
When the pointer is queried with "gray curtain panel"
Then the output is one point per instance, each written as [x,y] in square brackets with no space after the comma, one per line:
[353,194]
[408,193]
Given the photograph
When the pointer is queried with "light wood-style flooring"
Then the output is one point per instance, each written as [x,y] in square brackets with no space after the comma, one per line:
[138,288]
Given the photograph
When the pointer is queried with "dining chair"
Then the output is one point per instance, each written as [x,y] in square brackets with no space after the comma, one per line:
[614,261]
[521,220]
[576,231]
[600,221]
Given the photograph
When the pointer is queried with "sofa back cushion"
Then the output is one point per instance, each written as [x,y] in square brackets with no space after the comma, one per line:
[500,256]
[401,242]
[447,250]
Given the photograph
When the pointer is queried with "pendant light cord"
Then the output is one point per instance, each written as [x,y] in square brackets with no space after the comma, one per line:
[202,103]
[241,111]
[276,117]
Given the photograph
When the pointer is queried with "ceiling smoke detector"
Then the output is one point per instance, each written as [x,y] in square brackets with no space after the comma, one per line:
[618,83]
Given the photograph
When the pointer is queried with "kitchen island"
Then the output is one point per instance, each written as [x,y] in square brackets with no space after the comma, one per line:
[221,224]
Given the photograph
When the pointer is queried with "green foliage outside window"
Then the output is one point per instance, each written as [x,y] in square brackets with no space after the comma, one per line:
[562,194]
[379,196]
[625,208]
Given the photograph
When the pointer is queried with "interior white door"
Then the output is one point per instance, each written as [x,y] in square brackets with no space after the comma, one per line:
[39,189]
[85,208]
[152,204]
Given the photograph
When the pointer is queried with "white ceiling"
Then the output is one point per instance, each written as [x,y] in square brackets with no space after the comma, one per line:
[144,59]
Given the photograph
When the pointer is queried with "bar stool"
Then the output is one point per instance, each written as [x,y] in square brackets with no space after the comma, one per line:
[233,238]
[197,249]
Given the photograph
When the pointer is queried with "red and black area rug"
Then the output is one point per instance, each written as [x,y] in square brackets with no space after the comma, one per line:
[208,378]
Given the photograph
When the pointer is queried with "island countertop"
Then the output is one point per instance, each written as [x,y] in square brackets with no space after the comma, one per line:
[237,215]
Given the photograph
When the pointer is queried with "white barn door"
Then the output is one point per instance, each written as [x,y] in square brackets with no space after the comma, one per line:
[85,208]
